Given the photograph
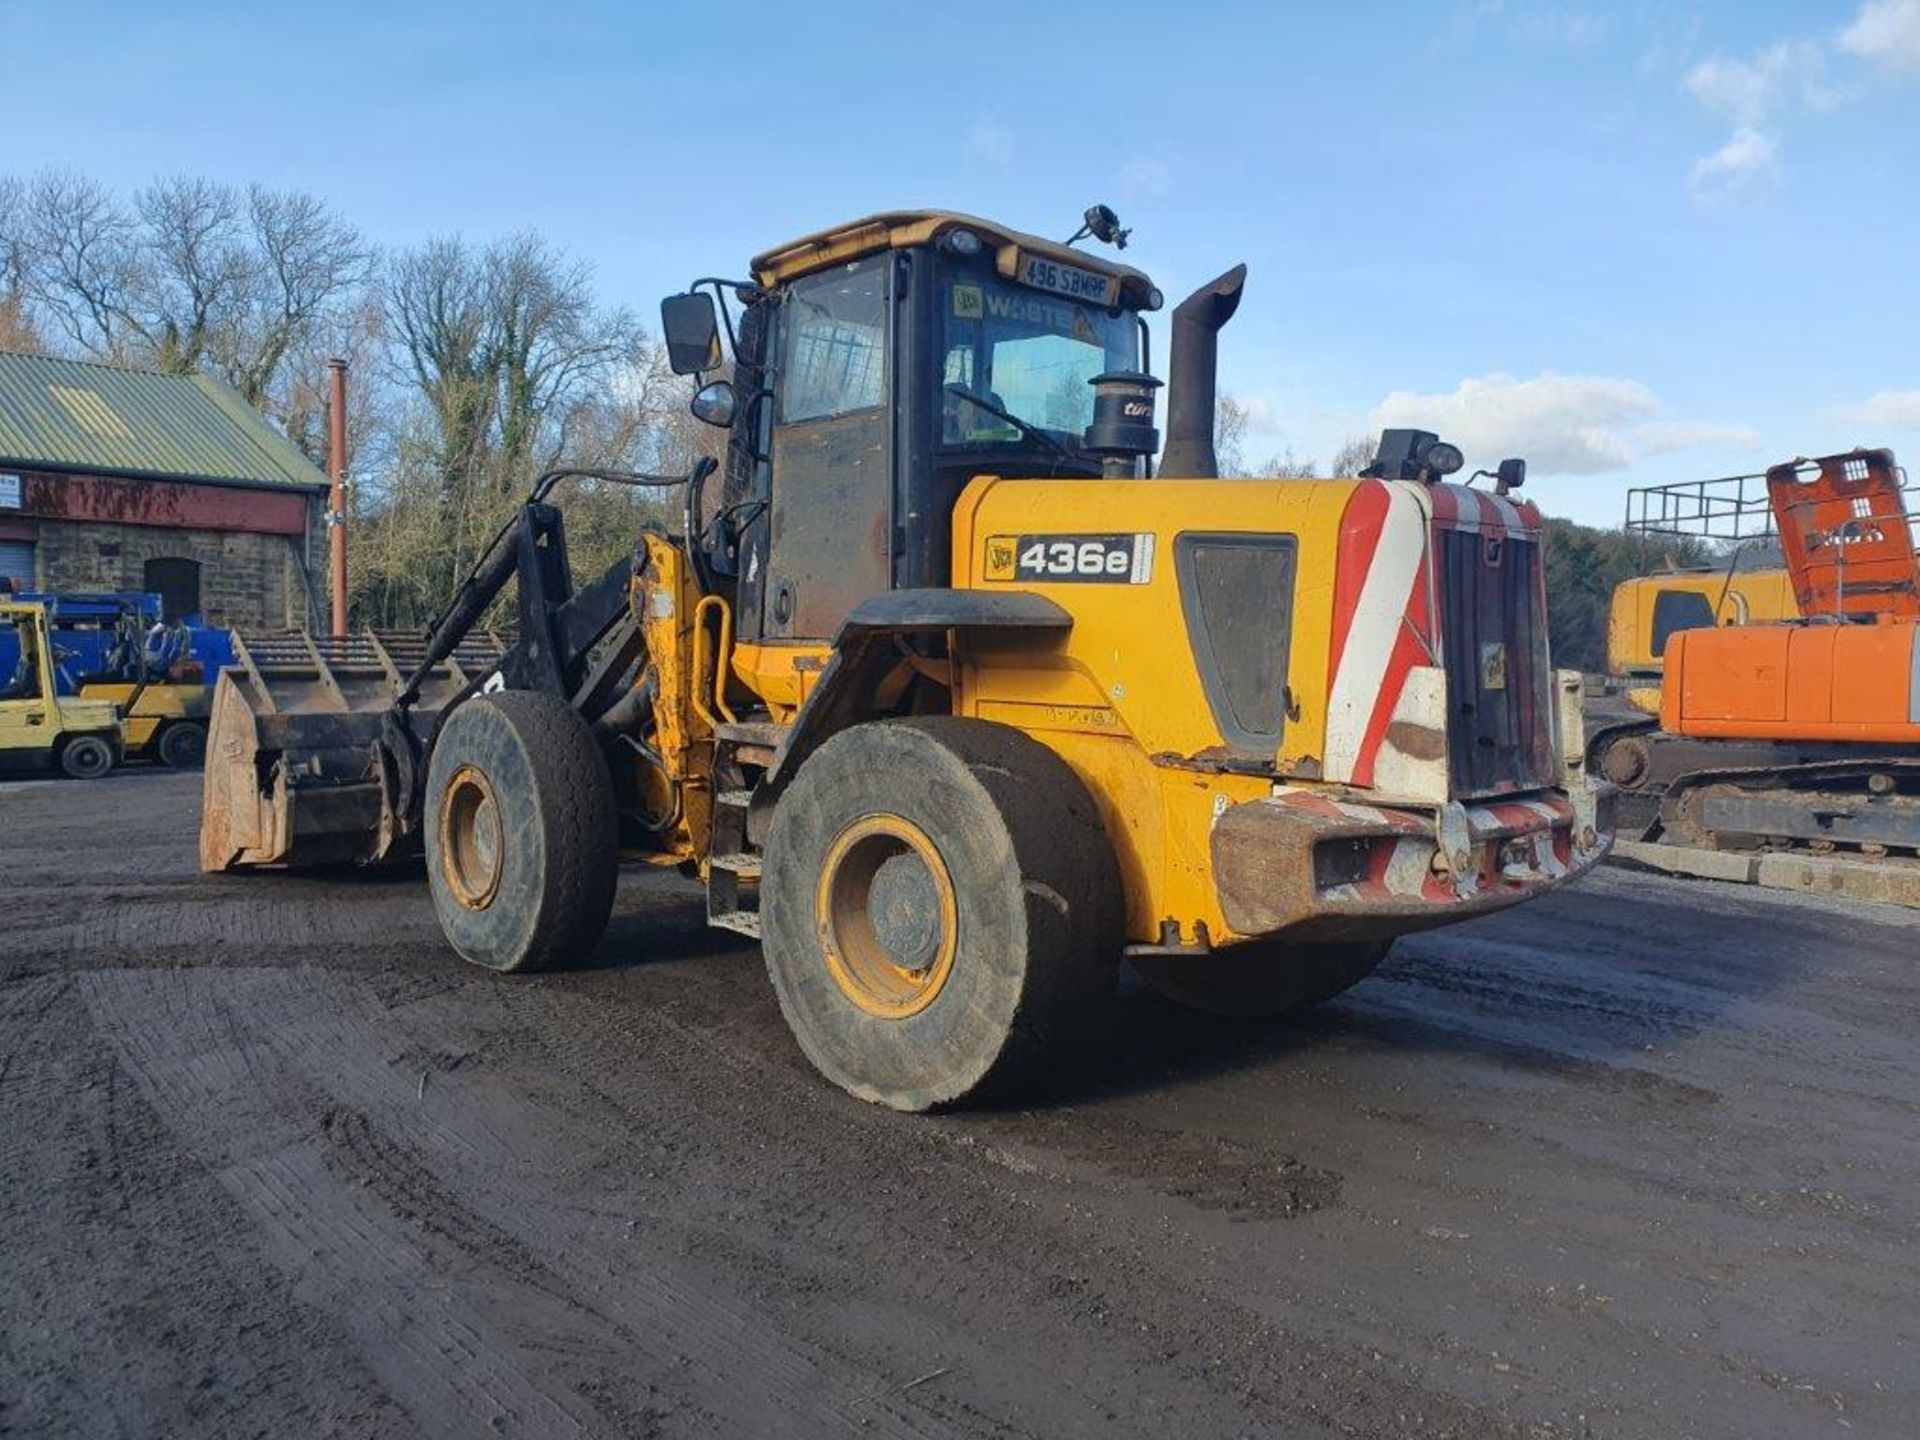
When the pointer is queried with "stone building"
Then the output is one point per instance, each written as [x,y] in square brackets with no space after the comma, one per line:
[118,479]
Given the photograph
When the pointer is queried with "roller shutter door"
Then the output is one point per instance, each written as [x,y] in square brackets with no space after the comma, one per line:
[16,562]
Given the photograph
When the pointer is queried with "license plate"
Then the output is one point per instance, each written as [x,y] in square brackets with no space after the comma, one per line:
[1069,280]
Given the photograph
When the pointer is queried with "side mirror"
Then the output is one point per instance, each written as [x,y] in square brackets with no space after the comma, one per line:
[713,404]
[692,331]
[1509,475]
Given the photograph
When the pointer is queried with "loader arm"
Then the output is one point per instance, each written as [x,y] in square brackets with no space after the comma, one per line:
[322,770]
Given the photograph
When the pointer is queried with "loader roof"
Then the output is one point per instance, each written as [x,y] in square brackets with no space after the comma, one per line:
[897,229]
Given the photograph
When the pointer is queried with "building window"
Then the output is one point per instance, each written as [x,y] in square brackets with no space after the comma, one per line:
[177,582]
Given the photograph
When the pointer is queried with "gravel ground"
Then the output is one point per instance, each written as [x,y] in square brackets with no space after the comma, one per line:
[1639,1160]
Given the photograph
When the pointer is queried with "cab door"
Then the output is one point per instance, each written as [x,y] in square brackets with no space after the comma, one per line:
[831,518]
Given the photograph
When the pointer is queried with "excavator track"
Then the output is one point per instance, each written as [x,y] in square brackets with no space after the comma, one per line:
[1868,807]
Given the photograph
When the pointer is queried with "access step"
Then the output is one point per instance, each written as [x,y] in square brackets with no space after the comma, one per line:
[747,922]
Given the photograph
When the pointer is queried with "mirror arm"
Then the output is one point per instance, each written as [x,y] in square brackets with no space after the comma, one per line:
[720,286]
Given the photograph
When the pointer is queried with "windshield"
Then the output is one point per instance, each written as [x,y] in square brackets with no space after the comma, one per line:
[1027,353]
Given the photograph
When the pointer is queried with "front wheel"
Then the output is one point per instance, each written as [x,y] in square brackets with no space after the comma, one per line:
[183,745]
[86,757]
[1260,978]
[521,832]
[941,909]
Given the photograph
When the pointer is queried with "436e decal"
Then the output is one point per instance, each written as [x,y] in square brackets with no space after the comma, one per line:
[1108,559]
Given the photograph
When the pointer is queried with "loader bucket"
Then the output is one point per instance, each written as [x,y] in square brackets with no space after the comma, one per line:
[293,760]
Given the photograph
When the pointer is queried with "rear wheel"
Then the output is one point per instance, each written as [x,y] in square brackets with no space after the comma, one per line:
[183,745]
[941,909]
[86,757]
[521,833]
[1261,977]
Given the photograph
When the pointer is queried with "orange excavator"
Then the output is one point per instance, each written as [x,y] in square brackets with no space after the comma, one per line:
[1800,734]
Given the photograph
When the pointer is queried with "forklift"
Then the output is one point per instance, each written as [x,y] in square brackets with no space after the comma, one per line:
[41,730]
[945,695]
[117,646]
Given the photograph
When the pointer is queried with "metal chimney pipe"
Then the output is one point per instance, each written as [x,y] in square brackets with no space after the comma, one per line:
[1192,365]
[337,501]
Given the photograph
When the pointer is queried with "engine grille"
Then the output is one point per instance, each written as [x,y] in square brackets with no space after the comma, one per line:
[1499,680]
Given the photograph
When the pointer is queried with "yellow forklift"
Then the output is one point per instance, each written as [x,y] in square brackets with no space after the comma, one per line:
[40,729]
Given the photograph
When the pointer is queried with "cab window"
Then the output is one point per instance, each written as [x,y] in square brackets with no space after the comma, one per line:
[833,347]
[19,662]
[1026,352]
[1677,610]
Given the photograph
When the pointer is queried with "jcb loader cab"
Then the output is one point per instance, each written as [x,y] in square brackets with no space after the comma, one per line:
[951,703]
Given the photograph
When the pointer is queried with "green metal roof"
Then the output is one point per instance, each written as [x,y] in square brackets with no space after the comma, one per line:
[81,415]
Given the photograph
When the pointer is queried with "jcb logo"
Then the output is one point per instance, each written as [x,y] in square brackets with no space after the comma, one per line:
[1001,553]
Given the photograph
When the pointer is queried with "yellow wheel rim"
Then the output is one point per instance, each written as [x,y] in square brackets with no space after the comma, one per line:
[473,848]
[886,917]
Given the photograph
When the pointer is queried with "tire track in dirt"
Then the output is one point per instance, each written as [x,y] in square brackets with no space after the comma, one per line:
[418,1224]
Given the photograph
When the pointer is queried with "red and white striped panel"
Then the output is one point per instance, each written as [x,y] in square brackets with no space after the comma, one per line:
[1458,507]
[1384,602]
[1382,608]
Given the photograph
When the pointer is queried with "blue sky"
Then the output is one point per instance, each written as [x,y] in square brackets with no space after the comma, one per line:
[1635,242]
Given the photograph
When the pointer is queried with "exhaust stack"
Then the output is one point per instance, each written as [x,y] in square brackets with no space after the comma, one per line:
[1192,374]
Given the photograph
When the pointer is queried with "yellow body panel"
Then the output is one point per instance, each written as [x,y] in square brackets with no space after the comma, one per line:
[142,718]
[1750,597]
[1122,687]
[781,673]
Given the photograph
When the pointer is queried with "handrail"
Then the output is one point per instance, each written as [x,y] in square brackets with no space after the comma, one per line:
[698,689]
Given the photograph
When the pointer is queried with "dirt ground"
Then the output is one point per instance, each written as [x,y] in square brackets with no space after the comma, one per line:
[1640,1160]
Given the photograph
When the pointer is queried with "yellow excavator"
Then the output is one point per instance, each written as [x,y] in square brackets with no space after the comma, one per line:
[947,697]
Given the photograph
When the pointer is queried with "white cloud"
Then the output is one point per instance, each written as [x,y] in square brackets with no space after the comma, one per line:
[1747,91]
[1663,437]
[1753,94]
[1886,32]
[1745,157]
[992,142]
[1562,424]
[1888,409]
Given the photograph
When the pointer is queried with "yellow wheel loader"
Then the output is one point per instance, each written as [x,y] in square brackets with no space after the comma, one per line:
[945,697]
[40,729]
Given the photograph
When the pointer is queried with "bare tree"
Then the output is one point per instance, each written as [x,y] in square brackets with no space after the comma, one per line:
[1230,416]
[505,345]
[1353,456]
[1288,466]
[17,330]
[190,275]
[306,269]
[80,261]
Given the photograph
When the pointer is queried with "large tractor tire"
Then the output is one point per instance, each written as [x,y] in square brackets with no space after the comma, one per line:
[86,757]
[941,909]
[1259,978]
[183,745]
[521,831]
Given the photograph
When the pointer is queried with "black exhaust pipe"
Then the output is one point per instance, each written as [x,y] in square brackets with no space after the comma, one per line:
[1193,364]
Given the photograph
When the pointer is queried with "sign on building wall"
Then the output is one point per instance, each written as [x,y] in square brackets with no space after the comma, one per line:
[9,492]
